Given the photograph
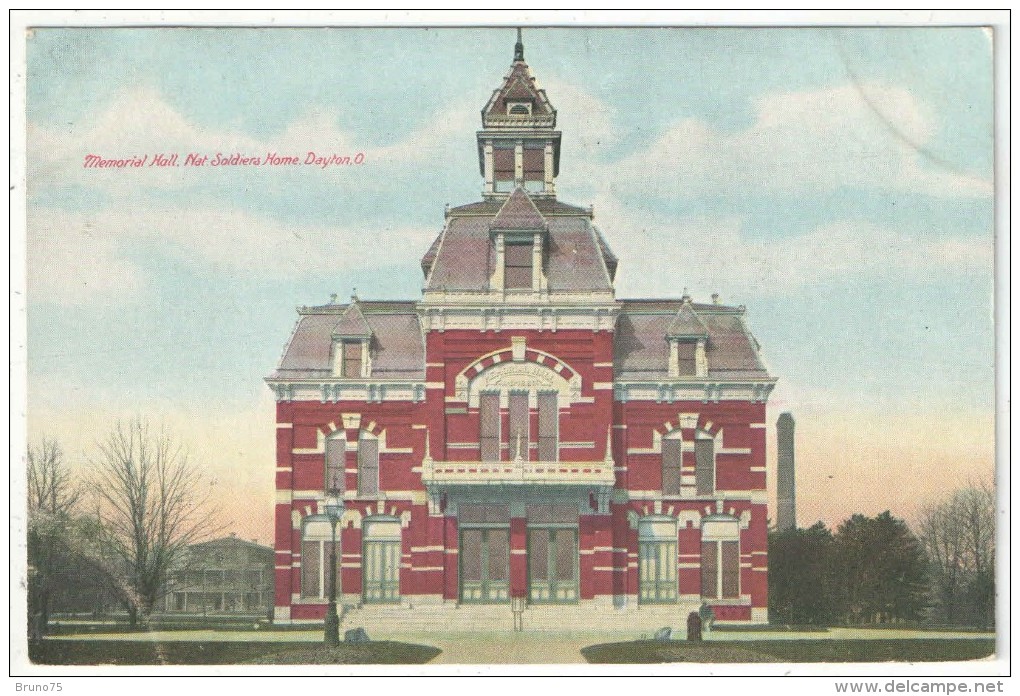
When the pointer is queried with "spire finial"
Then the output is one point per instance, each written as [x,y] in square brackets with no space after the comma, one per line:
[519,47]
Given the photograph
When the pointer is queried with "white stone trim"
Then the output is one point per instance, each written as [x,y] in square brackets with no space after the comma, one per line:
[335,390]
[704,390]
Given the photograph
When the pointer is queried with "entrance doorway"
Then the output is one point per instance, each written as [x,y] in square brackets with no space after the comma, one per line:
[381,561]
[485,565]
[552,565]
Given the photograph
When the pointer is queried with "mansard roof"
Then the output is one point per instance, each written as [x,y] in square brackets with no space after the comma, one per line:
[397,347]
[641,348]
[464,254]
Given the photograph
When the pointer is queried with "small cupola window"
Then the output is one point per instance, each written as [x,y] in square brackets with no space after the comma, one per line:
[520,109]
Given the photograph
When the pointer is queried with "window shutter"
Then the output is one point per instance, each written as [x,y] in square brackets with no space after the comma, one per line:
[368,467]
[517,272]
[352,359]
[310,568]
[730,568]
[534,164]
[548,424]
[538,554]
[488,416]
[704,473]
[685,353]
[336,454]
[499,553]
[518,437]
[671,460]
[566,553]
[709,569]
[503,163]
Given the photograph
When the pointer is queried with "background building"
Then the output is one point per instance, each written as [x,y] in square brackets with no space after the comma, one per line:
[519,431]
[228,576]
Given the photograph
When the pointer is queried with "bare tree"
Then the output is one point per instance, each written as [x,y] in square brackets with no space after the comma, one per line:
[153,502]
[51,487]
[53,495]
[958,534]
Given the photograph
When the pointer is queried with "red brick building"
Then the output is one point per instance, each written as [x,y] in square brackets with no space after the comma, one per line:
[519,431]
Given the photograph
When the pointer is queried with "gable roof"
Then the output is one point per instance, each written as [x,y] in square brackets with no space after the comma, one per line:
[686,324]
[518,213]
[352,323]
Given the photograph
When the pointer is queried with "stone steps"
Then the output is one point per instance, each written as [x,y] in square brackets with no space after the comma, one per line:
[499,617]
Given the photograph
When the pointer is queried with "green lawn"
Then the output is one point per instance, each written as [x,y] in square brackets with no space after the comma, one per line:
[131,652]
[904,650]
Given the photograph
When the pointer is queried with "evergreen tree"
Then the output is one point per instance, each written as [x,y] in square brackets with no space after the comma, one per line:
[800,576]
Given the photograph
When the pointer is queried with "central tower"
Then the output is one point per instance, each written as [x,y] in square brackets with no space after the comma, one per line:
[519,146]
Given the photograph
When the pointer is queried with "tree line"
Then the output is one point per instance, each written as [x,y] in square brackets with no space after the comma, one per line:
[873,570]
[114,533]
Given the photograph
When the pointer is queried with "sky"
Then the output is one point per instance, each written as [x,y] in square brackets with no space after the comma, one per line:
[836,181]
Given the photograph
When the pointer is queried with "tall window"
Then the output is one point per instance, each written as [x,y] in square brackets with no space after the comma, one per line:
[704,473]
[352,359]
[368,465]
[548,426]
[381,560]
[672,458]
[686,358]
[657,561]
[518,435]
[316,541]
[517,272]
[503,166]
[720,559]
[336,455]
[488,415]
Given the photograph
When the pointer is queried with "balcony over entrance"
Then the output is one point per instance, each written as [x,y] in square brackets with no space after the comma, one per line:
[519,472]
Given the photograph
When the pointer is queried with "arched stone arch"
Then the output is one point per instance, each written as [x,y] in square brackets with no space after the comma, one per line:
[555,373]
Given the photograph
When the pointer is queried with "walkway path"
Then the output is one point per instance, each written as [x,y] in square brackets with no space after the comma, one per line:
[530,647]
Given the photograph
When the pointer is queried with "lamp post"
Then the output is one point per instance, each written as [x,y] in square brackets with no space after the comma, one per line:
[334,509]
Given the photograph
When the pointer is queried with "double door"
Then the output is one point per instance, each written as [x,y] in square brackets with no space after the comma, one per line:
[552,565]
[485,564]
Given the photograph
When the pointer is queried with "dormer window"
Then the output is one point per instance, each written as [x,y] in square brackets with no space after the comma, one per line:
[352,360]
[517,272]
[520,109]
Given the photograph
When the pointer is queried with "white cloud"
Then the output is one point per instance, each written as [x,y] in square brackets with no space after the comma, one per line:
[715,254]
[77,257]
[73,260]
[868,135]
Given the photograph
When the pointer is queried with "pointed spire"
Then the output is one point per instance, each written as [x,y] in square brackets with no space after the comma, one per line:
[519,48]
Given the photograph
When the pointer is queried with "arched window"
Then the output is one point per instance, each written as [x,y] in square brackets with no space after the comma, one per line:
[316,543]
[520,110]
[336,463]
[704,463]
[657,580]
[720,557]
[672,462]
[368,464]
